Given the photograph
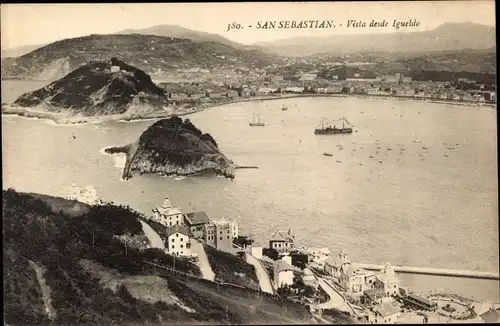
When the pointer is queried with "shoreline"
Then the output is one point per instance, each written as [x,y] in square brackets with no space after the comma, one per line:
[81,120]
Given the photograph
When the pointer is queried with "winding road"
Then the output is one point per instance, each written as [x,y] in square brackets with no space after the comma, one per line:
[153,237]
[336,300]
[203,264]
[264,281]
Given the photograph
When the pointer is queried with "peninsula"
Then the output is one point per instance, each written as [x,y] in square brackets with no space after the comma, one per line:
[174,147]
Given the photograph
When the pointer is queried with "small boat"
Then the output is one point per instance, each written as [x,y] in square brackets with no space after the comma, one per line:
[327,154]
[380,161]
[284,108]
[179,178]
[256,123]
[425,147]
[371,156]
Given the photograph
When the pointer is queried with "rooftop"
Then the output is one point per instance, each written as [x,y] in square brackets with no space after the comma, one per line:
[197,218]
[177,229]
[281,265]
[491,316]
[282,236]
[386,309]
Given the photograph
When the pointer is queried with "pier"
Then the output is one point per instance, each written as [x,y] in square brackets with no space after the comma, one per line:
[434,271]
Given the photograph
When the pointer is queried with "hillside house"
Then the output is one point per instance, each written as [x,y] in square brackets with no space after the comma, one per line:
[282,242]
[218,234]
[386,313]
[294,89]
[333,265]
[319,256]
[168,215]
[178,241]
[283,273]
[196,222]
[387,281]
[373,296]
[352,278]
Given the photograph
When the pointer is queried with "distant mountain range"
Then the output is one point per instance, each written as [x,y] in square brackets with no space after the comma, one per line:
[169,47]
[181,32]
[449,36]
[147,52]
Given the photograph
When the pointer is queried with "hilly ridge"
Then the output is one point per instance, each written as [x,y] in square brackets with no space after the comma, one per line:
[147,52]
[449,36]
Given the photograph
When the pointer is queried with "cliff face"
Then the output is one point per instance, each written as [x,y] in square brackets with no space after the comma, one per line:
[96,89]
[173,146]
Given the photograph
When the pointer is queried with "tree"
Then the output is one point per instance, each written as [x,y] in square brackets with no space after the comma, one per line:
[243,241]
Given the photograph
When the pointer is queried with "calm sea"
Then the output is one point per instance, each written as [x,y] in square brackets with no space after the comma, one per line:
[413,207]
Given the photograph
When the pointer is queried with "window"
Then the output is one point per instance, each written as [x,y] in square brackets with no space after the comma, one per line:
[221,238]
[220,232]
[177,234]
[228,237]
[182,246]
[169,223]
[227,231]
[177,222]
[173,240]
[173,246]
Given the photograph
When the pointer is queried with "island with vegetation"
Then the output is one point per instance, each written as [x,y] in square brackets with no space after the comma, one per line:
[174,147]
[108,89]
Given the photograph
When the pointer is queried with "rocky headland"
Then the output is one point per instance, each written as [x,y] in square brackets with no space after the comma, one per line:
[96,89]
[174,147]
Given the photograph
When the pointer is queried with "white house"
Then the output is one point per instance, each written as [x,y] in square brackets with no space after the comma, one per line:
[387,281]
[115,68]
[168,215]
[178,240]
[282,241]
[283,273]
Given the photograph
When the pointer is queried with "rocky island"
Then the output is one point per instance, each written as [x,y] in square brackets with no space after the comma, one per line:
[174,147]
[111,89]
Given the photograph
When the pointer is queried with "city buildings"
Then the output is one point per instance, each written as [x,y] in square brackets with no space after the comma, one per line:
[385,313]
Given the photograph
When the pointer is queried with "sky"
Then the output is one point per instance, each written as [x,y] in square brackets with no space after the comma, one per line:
[33,24]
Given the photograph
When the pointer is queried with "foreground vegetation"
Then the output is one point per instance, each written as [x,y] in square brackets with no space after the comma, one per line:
[68,244]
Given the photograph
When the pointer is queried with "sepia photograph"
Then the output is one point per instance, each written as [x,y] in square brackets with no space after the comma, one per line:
[250,163]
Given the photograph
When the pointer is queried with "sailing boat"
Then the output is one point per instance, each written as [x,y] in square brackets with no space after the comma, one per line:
[284,108]
[450,146]
[338,161]
[255,123]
